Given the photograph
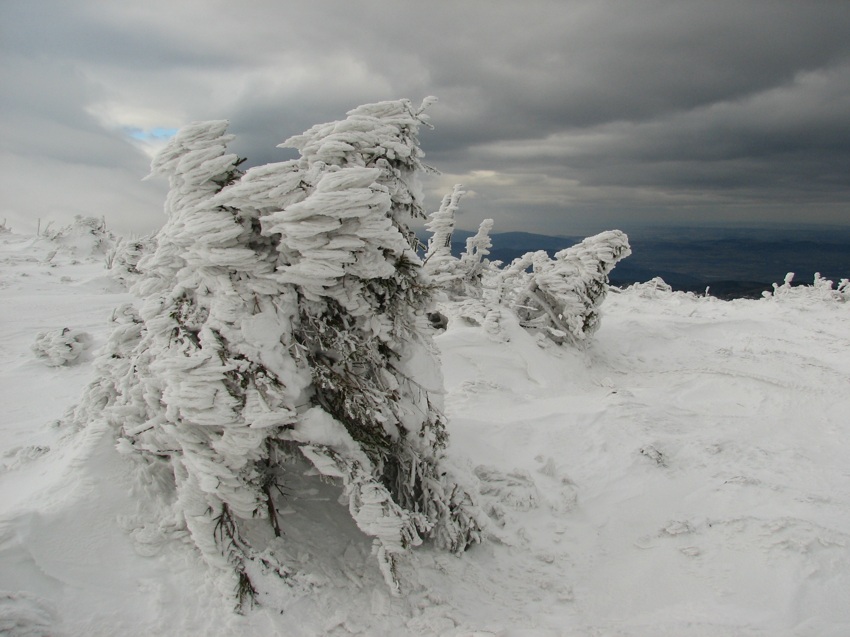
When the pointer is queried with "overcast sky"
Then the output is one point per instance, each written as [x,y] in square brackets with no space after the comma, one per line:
[558,116]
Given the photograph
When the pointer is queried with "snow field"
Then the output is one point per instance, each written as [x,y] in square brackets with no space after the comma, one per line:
[684,474]
[705,445]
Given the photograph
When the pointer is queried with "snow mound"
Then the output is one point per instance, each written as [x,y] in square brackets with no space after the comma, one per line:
[84,238]
[25,615]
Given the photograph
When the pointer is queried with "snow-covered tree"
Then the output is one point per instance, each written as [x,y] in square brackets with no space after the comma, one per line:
[561,297]
[442,224]
[284,308]
[363,327]
[199,384]
[473,261]
[444,268]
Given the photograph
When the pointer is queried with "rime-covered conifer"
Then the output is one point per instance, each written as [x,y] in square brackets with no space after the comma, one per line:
[216,377]
[363,300]
[439,262]
[284,308]
[441,226]
[473,261]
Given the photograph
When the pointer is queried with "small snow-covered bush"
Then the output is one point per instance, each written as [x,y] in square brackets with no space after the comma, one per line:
[60,347]
[23,614]
[84,237]
[652,288]
[123,258]
[821,290]
[557,297]
[481,313]
[561,297]
[459,278]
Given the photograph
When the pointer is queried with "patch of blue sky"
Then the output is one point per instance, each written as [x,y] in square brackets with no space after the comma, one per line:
[149,134]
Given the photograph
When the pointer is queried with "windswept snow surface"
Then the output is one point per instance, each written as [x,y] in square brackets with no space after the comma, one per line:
[686,474]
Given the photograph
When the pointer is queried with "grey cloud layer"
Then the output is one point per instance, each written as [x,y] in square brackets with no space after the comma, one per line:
[557,115]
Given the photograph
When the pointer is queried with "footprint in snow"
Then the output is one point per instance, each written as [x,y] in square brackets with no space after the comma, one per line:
[20,456]
[563,496]
[25,615]
[519,491]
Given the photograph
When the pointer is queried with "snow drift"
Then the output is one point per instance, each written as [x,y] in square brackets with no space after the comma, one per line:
[274,414]
[683,474]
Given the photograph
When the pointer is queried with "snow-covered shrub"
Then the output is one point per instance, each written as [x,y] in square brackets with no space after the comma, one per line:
[478,312]
[123,258]
[439,262]
[652,288]
[821,290]
[561,297]
[23,614]
[460,277]
[60,347]
[84,237]
[473,262]
[284,311]
[116,385]
[658,288]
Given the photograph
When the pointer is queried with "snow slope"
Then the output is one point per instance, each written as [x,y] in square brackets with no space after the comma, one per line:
[684,475]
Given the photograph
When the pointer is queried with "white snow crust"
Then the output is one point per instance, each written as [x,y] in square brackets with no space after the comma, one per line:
[683,473]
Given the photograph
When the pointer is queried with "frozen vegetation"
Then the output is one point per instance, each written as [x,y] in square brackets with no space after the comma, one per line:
[60,346]
[294,424]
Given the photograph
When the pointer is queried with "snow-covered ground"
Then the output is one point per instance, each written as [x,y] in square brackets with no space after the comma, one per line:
[687,474]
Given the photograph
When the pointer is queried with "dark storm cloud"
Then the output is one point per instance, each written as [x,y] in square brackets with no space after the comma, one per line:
[93,32]
[788,143]
[551,113]
[639,61]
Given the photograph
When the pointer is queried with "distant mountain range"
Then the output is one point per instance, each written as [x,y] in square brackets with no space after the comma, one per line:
[732,262]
